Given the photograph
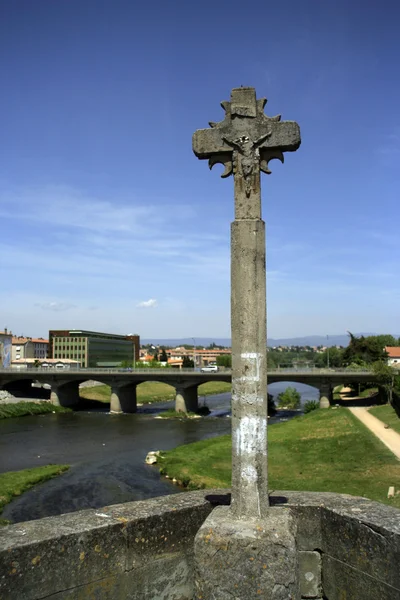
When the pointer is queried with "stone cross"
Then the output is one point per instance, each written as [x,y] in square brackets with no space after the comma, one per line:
[244,142]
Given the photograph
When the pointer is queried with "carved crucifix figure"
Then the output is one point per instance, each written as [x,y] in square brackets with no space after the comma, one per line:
[244,142]
[246,159]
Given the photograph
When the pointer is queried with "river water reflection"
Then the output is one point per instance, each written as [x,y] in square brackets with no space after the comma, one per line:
[106,453]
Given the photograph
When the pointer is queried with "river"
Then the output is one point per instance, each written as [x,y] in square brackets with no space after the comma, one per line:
[106,453]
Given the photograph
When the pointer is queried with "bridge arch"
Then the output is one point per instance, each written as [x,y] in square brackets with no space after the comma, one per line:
[185,393]
[312,390]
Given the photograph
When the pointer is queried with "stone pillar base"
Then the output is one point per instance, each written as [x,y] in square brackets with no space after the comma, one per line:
[325,396]
[65,395]
[123,399]
[186,399]
[237,559]
[324,402]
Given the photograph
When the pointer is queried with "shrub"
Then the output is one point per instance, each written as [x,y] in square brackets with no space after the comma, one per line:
[289,398]
[310,405]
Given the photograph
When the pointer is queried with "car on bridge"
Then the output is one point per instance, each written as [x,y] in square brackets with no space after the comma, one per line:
[209,369]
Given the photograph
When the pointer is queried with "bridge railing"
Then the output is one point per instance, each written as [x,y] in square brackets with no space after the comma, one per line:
[174,371]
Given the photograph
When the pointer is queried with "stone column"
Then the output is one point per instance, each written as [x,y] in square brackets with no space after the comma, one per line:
[123,398]
[249,372]
[65,394]
[186,399]
[247,550]
[325,394]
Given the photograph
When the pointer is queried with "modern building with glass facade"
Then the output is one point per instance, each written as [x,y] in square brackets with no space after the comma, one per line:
[92,348]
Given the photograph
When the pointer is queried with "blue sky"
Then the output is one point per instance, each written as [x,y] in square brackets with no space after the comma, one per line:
[109,222]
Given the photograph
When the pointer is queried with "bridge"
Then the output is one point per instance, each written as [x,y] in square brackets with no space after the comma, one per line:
[65,383]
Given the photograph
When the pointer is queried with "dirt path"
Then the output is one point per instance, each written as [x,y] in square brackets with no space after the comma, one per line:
[389,437]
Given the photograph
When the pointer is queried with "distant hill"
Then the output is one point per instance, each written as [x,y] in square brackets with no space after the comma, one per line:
[174,342]
[311,340]
[308,340]
[317,340]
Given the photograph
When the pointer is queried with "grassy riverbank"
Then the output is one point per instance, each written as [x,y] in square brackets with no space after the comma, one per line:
[325,450]
[153,391]
[388,415]
[21,409]
[14,483]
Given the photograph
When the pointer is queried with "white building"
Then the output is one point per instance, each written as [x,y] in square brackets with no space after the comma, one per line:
[48,363]
[393,356]
[26,347]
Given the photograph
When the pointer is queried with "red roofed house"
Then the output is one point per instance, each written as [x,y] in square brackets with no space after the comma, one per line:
[393,356]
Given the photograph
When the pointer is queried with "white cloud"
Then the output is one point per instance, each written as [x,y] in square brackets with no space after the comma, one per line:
[152,303]
[55,306]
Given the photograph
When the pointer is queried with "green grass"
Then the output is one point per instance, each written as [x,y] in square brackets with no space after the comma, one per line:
[14,483]
[369,392]
[336,392]
[387,414]
[153,391]
[173,414]
[325,450]
[21,409]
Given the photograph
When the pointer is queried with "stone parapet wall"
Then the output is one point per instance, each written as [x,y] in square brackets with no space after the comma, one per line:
[137,551]
[348,548]
[358,541]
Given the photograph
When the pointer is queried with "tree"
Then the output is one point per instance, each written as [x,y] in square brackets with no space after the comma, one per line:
[289,398]
[367,349]
[387,379]
[163,356]
[155,357]
[335,358]
[187,363]
[224,360]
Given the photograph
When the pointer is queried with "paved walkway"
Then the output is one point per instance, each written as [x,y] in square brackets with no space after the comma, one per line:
[389,437]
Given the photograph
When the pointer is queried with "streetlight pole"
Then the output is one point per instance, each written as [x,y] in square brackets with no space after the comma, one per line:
[327,352]
[194,353]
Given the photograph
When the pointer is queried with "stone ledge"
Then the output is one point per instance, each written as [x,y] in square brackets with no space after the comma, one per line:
[95,545]
[340,580]
[114,550]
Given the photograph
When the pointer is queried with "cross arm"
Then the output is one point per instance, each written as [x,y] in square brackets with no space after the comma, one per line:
[284,136]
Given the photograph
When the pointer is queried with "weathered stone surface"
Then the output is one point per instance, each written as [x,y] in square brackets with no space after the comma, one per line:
[244,558]
[79,547]
[325,394]
[340,581]
[249,371]
[244,142]
[101,546]
[352,530]
[186,399]
[167,579]
[366,546]
[310,574]
[308,519]
[123,398]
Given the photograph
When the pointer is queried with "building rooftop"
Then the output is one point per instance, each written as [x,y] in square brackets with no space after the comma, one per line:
[85,333]
[23,340]
[393,351]
[23,361]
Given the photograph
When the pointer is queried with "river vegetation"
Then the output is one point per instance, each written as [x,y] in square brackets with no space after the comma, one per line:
[14,483]
[325,450]
[22,409]
[290,398]
[153,391]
